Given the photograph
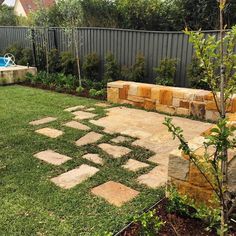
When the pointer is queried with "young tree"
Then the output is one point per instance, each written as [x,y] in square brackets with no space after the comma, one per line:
[218,61]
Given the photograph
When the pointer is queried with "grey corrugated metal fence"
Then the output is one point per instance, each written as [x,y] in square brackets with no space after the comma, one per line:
[124,44]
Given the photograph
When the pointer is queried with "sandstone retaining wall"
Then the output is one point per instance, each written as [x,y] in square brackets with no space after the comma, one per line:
[171,100]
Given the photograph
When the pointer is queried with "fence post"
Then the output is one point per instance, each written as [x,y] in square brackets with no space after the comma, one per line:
[34,47]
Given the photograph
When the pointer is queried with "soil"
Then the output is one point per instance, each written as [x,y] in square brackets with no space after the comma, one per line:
[175,225]
[85,93]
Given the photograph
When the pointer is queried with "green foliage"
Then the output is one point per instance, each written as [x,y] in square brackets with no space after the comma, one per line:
[112,71]
[67,63]
[16,50]
[53,60]
[195,75]
[151,224]
[138,69]
[91,67]
[126,73]
[41,59]
[7,16]
[166,72]
[79,90]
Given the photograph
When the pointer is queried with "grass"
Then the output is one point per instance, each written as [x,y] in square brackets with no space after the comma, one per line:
[30,203]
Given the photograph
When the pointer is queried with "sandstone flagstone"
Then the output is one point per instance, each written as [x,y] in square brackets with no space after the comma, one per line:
[50,132]
[156,178]
[77,125]
[120,139]
[52,157]
[89,138]
[43,121]
[114,151]
[71,109]
[94,158]
[115,193]
[134,165]
[74,177]
[101,104]
[81,115]
[91,109]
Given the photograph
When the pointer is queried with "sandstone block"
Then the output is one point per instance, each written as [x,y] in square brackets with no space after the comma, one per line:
[117,84]
[123,92]
[178,166]
[176,102]
[155,93]
[144,91]
[149,104]
[133,89]
[212,115]
[113,95]
[209,97]
[178,94]
[184,104]
[211,105]
[134,98]
[197,109]
[182,111]
[233,108]
[166,97]
[165,109]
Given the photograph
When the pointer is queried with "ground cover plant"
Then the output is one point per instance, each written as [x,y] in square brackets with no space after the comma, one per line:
[30,203]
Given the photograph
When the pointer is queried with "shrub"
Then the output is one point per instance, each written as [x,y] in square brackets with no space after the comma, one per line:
[16,50]
[112,71]
[195,75]
[126,73]
[53,61]
[27,57]
[41,59]
[166,72]
[79,90]
[92,93]
[138,69]
[151,224]
[67,63]
[91,67]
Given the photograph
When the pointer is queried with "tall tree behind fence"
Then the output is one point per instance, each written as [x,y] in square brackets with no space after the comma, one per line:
[124,44]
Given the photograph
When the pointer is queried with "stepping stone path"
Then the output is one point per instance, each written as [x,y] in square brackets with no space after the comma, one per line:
[49,132]
[73,177]
[91,109]
[43,121]
[160,159]
[81,115]
[77,125]
[134,165]
[89,138]
[156,178]
[120,139]
[101,104]
[93,158]
[114,151]
[52,157]
[71,109]
[115,193]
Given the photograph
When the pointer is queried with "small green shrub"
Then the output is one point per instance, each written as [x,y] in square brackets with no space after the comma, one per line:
[151,224]
[53,61]
[67,63]
[92,93]
[26,58]
[138,69]
[112,71]
[79,90]
[195,75]
[166,72]
[91,67]
[126,73]
[41,59]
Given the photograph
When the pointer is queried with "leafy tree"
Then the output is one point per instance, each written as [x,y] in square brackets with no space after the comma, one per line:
[7,16]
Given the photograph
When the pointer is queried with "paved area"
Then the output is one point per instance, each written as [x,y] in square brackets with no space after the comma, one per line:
[114,151]
[89,138]
[82,115]
[93,158]
[43,121]
[76,125]
[133,165]
[71,109]
[49,132]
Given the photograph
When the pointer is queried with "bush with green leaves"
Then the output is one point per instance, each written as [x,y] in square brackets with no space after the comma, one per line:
[195,75]
[67,63]
[166,72]
[53,60]
[111,69]
[79,90]
[138,69]
[91,67]
[150,223]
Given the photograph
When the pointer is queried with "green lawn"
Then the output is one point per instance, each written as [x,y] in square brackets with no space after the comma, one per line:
[30,203]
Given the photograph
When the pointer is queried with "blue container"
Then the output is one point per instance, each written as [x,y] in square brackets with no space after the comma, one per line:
[4,62]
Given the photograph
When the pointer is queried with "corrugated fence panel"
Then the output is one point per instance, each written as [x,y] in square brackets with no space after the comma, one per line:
[123,44]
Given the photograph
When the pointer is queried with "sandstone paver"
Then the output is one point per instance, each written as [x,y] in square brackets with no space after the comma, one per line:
[114,151]
[120,139]
[77,125]
[115,193]
[156,178]
[82,115]
[91,137]
[71,109]
[95,158]
[91,109]
[43,121]
[101,104]
[134,165]
[52,157]
[73,177]
[50,132]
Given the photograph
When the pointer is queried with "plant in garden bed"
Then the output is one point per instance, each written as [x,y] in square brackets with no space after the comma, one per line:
[166,72]
[218,62]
